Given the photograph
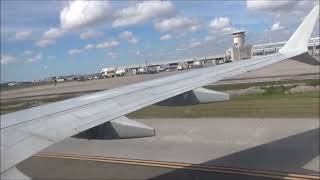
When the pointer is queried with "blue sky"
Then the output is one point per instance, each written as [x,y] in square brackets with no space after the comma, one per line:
[50,38]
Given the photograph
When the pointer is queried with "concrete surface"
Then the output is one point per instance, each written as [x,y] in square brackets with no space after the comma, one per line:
[79,86]
[287,145]
[44,168]
[287,68]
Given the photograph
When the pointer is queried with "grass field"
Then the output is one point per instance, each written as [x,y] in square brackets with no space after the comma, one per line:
[274,102]
[226,87]
[264,106]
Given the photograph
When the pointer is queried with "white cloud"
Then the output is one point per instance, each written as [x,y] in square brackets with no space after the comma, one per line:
[220,23]
[165,37]
[90,34]
[229,30]
[195,28]
[143,11]
[127,35]
[277,27]
[74,51]
[195,44]
[7,59]
[113,55]
[287,8]
[178,24]
[23,35]
[271,5]
[53,33]
[44,42]
[84,13]
[50,36]
[78,14]
[27,52]
[133,41]
[35,58]
[108,44]
[45,67]
[89,46]
[221,26]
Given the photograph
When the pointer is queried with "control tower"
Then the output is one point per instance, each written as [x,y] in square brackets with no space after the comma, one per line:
[239,50]
[239,38]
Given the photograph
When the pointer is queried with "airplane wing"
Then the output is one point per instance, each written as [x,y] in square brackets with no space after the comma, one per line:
[27,132]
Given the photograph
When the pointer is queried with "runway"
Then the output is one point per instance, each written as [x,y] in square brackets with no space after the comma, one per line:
[217,148]
[207,169]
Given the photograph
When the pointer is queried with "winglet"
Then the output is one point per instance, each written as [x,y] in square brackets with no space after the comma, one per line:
[300,39]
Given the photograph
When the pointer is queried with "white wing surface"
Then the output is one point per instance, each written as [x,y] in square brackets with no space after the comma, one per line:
[27,132]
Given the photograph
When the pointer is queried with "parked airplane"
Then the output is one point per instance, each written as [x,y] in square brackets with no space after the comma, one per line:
[27,132]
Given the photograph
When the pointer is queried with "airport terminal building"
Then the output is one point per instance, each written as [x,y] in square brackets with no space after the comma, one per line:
[239,51]
[270,48]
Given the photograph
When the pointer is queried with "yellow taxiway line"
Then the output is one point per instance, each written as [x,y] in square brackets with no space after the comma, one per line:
[176,165]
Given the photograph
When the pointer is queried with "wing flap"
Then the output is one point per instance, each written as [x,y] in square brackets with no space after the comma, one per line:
[120,128]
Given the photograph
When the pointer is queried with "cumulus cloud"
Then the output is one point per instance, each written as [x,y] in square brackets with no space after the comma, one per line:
[44,42]
[7,59]
[108,44]
[35,58]
[74,51]
[53,33]
[90,34]
[270,5]
[177,23]
[78,14]
[128,36]
[220,23]
[23,35]
[194,44]
[84,13]
[287,8]
[89,46]
[50,36]
[165,37]
[229,30]
[277,27]
[143,11]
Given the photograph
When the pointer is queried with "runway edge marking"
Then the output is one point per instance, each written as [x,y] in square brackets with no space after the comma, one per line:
[176,165]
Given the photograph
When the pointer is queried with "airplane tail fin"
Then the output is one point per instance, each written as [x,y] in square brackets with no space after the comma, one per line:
[300,39]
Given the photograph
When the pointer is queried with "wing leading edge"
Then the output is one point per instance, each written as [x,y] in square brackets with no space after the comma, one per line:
[27,132]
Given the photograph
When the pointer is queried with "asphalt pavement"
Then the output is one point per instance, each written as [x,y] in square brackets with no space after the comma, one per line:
[289,146]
